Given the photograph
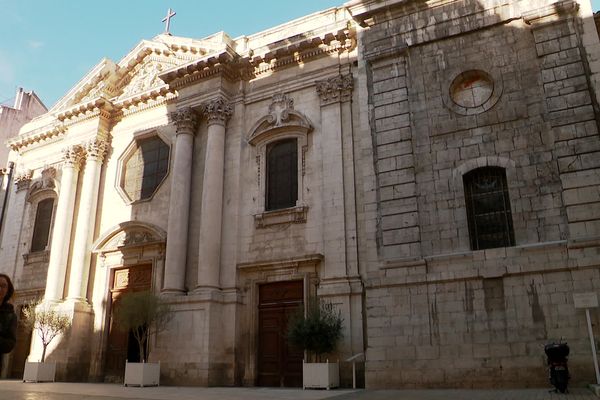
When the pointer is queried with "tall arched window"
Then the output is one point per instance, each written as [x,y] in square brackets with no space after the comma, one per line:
[282,174]
[488,208]
[41,227]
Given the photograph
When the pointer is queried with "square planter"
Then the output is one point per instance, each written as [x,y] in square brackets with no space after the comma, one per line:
[39,372]
[142,374]
[320,375]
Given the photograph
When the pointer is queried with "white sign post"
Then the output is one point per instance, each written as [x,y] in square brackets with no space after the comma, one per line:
[587,301]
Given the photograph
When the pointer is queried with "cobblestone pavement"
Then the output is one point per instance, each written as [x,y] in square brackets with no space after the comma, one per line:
[16,390]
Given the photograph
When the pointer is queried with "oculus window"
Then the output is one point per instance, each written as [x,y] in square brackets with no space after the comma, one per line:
[488,208]
[144,166]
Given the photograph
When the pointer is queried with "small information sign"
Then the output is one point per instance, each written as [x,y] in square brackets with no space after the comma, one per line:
[585,300]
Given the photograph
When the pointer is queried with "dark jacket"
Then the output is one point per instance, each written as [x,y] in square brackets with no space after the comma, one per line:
[8,328]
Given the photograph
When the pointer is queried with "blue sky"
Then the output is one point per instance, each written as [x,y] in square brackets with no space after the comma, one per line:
[48,45]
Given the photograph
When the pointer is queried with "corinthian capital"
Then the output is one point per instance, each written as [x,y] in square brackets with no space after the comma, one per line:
[73,156]
[96,149]
[23,179]
[217,111]
[185,119]
[336,89]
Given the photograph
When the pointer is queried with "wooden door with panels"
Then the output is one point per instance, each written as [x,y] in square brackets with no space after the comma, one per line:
[121,346]
[279,363]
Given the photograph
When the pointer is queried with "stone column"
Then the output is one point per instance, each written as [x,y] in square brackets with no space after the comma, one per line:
[217,112]
[179,204]
[86,220]
[63,222]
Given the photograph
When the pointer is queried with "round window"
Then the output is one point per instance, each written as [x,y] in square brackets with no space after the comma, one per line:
[471,89]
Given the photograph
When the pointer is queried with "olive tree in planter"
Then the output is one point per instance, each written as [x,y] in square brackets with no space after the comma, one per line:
[48,322]
[317,332]
[142,313]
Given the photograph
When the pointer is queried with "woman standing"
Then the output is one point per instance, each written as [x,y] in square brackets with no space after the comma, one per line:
[8,318]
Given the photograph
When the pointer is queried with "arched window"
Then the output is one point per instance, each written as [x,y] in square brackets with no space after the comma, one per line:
[488,208]
[282,174]
[41,227]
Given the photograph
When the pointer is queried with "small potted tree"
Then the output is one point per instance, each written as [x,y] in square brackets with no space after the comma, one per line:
[49,323]
[142,313]
[317,332]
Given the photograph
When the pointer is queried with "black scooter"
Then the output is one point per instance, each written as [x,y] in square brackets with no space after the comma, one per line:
[557,354]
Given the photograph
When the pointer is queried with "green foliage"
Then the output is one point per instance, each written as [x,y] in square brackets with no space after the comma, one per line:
[319,331]
[140,313]
[46,320]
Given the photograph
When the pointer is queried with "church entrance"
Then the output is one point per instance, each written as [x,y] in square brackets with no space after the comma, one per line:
[279,364]
[121,345]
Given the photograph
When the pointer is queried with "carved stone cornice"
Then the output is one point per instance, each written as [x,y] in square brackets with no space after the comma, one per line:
[336,89]
[23,179]
[73,156]
[185,120]
[217,111]
[37,136]
[96,149]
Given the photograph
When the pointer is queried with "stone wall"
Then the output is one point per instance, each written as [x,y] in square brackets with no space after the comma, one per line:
[438,313]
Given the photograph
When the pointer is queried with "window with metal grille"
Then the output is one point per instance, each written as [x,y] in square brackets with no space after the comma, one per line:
[282,174]
[41,227]
[488,208]
[146,168]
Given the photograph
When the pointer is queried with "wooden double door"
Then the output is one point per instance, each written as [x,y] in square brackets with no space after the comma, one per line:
[121,346]
[279,363]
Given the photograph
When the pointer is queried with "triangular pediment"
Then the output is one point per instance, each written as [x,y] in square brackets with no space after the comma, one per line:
[138,72]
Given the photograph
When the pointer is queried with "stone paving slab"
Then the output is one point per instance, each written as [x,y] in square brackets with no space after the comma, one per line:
[17,390]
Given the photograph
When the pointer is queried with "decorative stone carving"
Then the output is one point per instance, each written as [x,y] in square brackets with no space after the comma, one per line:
[146,78]
[336,89]
[185,120]
[131,238]
[46,182]
[96,149]
[217,111]
[281,117]
[23,179]
[73,156]
[280,108]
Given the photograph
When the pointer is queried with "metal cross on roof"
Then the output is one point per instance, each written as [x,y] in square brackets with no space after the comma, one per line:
[167,19]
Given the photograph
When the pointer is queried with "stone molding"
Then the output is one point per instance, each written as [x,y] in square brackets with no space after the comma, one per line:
[96,149]
[73,156]
[217,111]
[551,13]
[23,180]
[185,120]
[336,89]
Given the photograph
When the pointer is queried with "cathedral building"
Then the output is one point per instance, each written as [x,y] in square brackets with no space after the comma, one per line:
[428,167]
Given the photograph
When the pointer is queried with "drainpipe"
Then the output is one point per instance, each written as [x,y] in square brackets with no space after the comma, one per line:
[10,175]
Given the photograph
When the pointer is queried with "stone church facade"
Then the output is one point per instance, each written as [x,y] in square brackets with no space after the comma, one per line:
[428,167]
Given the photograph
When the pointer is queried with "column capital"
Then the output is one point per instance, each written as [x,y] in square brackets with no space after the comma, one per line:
[96,149]
[73,156]
[23,179]
[336,89]
[217,111]
[185,120]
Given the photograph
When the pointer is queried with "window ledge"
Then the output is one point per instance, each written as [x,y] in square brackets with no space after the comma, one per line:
[292,215]
[36,257]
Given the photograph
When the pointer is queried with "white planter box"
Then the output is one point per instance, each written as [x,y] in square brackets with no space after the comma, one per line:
[142,374]
[39,372]
[320,375]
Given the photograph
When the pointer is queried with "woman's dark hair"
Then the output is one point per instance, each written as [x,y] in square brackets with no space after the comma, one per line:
[10,291]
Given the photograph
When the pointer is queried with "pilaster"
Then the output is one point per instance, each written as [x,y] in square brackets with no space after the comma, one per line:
[335,94]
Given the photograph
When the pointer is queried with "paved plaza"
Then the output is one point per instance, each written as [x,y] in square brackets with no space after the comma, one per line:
[17,390]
